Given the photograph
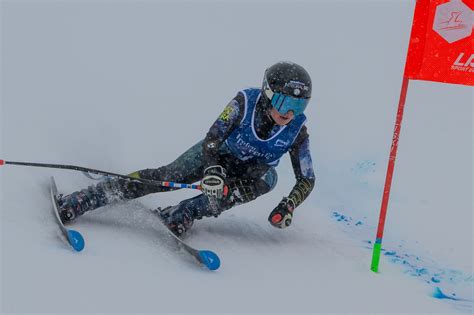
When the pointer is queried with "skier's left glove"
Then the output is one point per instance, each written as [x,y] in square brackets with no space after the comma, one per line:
[213,182]
[282,215]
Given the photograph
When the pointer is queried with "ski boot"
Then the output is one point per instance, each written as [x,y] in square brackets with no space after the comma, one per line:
[76,204]
[178,219]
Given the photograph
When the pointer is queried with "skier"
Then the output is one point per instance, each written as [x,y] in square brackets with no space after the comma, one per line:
[235,163]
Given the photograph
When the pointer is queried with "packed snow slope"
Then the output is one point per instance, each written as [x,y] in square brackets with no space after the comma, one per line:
[127,85]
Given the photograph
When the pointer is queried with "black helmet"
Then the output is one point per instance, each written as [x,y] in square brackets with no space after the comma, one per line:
[287,86]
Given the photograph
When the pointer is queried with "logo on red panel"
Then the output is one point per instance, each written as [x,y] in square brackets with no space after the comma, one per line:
[464,62]
[453,21]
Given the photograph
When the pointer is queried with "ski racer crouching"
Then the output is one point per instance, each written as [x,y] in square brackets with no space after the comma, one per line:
[235,163]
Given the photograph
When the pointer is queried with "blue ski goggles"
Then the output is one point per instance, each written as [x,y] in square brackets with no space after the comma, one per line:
[284,103]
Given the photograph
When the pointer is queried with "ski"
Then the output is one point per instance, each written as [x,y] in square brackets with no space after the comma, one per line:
[73,237]
[205,257]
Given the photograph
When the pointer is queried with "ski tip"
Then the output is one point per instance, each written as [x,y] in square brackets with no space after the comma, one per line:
[2,162]
[210,259]
[76,240]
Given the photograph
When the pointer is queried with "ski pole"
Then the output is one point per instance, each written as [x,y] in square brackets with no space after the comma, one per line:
[99,172]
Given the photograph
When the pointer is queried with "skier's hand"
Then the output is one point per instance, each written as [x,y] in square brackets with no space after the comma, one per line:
[213,182]
[282,215]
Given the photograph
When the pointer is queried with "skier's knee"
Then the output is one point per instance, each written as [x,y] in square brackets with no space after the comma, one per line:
[270,178]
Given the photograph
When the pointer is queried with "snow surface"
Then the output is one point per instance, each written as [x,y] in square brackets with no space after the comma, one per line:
[127,85]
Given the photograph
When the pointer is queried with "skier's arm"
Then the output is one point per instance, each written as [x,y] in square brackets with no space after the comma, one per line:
[303,169]
[227,121]
[300,155]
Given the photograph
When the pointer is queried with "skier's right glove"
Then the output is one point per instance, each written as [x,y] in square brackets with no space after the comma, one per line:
[213,182]
[282,215]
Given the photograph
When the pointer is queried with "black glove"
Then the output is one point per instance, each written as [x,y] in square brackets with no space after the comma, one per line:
[282,215]
[213,182]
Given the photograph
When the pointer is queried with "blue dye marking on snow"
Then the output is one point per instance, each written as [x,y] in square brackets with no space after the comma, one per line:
[435,280]
[339,217]
[423,268]
[425,271]
[421,271]
[438,294]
